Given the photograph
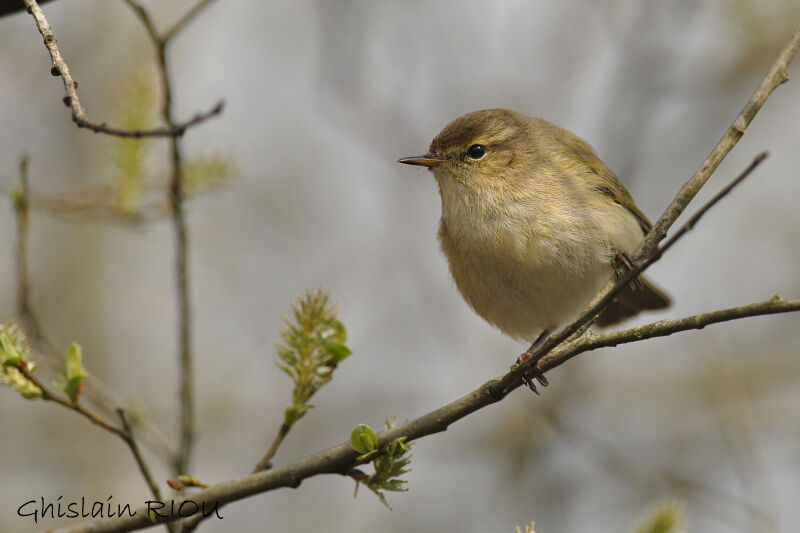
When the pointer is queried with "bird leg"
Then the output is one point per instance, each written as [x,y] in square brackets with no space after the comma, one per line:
[622,264]
[528,376]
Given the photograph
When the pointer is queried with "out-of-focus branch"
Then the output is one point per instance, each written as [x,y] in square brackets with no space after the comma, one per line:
[185,19]
[176,197]
[723,504]
[21,200]
[124,432]
[29,317]
[97,393]
[79,116]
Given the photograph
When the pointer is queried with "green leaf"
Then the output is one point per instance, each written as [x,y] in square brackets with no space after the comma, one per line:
[339,352]
[314,344]
[131,154]
[388,467]
[15,353]
[363,439]
[209,170]
[70,379]
[397,447]
[9,354]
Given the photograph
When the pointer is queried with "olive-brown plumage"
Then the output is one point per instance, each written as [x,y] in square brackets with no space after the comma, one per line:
[531,222]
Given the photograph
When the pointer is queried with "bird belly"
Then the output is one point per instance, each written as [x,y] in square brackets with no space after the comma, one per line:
[525,281]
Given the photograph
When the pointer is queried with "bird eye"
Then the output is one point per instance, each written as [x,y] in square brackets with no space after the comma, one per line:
[476,151]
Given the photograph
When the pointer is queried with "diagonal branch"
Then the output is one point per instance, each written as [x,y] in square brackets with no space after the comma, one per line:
[71,100]
[124,432]
[185,19]
[775,76]
[98,394]
[342,458]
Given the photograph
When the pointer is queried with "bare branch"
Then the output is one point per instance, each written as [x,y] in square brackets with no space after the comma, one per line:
[21,209]
[97,393]
[176,198]
[130,440]
[663,328]
[185,19]
[79,116]
[124,432]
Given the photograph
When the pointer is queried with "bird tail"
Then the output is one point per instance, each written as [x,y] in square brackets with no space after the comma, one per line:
[632,301]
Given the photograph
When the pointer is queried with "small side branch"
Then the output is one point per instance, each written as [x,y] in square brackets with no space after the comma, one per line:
[124,432]
[592,341]
[100,395]
[79,116]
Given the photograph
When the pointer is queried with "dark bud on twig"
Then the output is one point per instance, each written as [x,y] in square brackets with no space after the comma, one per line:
[54,70]
[67,101]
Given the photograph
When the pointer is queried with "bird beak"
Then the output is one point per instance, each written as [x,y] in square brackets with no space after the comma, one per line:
[427,160]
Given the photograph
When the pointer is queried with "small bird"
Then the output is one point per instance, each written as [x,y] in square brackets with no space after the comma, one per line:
[533,223]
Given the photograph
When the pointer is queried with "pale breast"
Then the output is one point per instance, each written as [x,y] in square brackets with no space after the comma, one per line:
[525,268]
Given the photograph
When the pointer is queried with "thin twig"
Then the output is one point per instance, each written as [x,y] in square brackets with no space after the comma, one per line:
[78,408]
[124,433]
[191,523]
[130,440]
[775,76]
[143,468]
[663,328]
[30,318]
[343,458]
[97,393]
[79,116]
[185,19]
[264,463]
[176,197]
[21,208]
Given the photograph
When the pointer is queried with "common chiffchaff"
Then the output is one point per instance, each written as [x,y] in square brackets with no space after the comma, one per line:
[533,223]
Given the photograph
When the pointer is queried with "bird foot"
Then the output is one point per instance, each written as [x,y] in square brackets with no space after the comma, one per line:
[623,264]
[531,374]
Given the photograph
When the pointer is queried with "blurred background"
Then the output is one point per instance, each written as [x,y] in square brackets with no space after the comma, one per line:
[322,98]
